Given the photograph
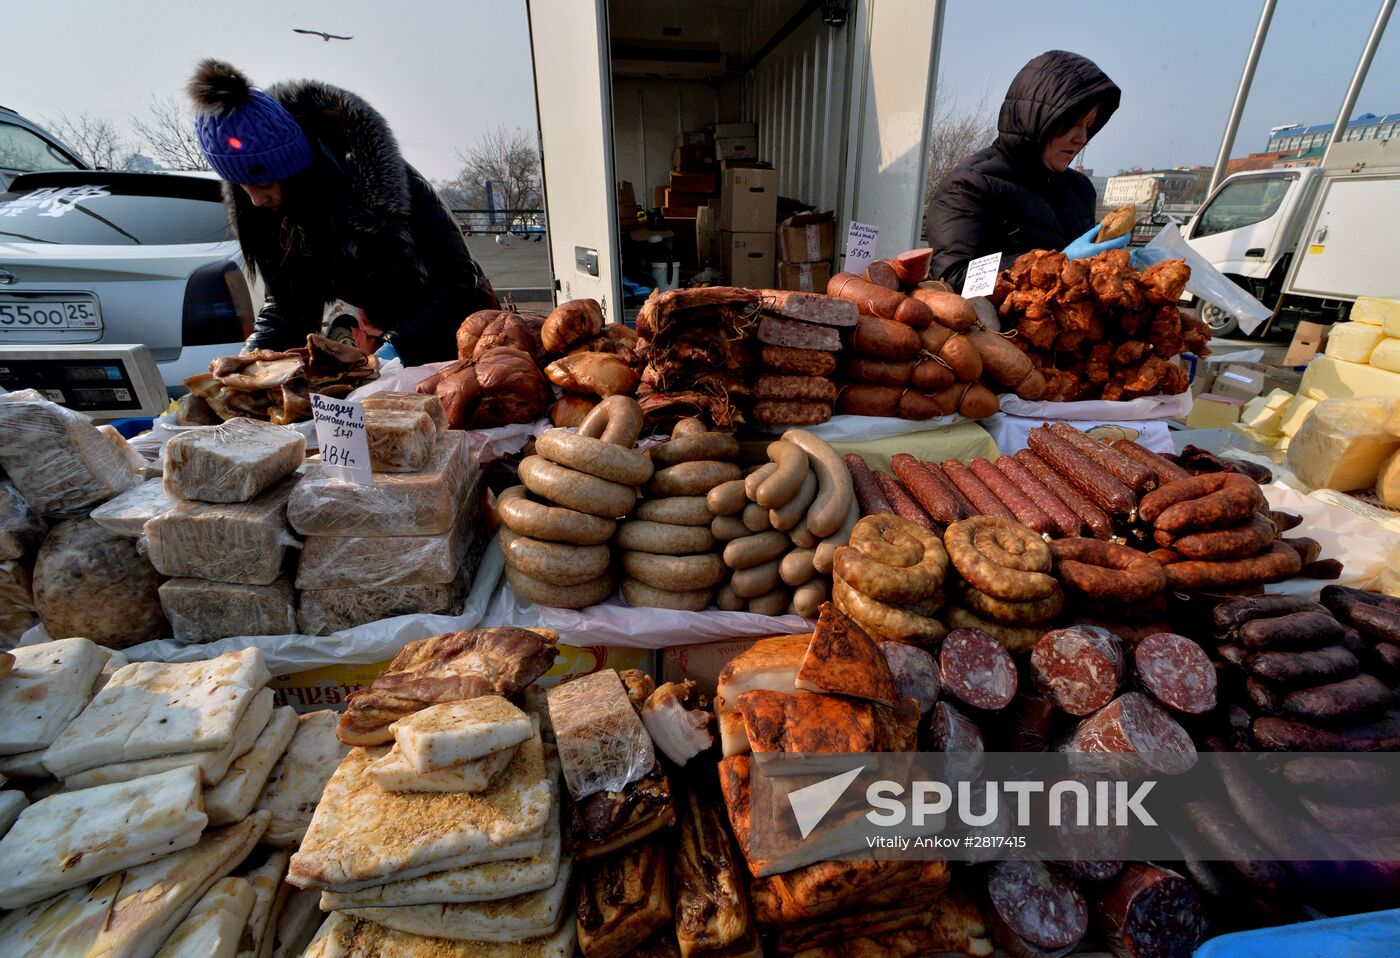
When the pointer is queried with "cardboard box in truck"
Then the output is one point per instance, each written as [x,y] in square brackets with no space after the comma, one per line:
[807,238]
[707,252]
[684,182]
[747,258]
[804,277]
[748,201]
[737,148]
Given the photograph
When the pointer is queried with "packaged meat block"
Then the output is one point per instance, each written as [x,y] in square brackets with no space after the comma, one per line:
[409,402]
[227,542]
[16,587]
[92,583]
[127,514]
[399,440]
[323,611]
[231,463]
[374,562]
[21,529]
[406,504]
[203,611]
[56,458]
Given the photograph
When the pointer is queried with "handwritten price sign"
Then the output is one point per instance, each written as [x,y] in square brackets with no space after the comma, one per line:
[860,246]
[981,276]
[340,432]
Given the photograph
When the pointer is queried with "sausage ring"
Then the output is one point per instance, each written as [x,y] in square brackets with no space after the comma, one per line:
[554,562]
[576,490]
[835,491]
[675,573]
[641,535]
[695,447]
[775,491]
[547,593]
[892,560]
[640,595]
[1011,548]
[676,511]
[1237,542]
[825,557]
[1280,562]
[986,575]
[1013,613]
[1212,501]
[616,420]
[551,523]
[1108,571]
[691,478]
[1013,638]
[885,621]
[594,457]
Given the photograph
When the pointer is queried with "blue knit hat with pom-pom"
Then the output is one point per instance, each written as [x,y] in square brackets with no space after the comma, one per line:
[247,136]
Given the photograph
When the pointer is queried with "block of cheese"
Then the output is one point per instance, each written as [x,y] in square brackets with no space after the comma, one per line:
[1296,411]
[231,463]
[399,440]
[1388,482]
[1386,355]
[94,583]
[227,542]
[323,611]
[1330,378]
[1343,444]
[127,514]
[56,457]
[413,402]
[1283,443]
[1353,342]
[406,504]
[1374,311]
[21,529]
[1264,414]
[203,611]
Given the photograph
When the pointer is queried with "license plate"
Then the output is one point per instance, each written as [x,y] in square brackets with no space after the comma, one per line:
[35,314]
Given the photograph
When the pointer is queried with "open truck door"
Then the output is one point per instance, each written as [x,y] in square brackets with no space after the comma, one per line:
[573,99]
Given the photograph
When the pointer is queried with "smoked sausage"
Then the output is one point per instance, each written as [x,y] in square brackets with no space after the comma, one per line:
[926,490]
[1131,473]
[868,493]
[1097,484]
[1022,507]
[1095,520]
[1107,571]
[1066,523]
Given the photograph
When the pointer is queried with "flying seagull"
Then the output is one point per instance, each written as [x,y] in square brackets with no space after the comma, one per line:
[328,37]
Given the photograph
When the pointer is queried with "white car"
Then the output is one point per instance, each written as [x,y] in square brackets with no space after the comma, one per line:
[94,256]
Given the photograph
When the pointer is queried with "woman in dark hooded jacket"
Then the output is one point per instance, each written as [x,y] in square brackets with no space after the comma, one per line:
[1019,194]
[326,208]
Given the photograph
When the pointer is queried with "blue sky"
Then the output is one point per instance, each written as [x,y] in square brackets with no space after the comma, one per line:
[443,71]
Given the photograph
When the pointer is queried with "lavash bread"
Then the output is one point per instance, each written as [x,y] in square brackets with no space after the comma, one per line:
[451,733]
[66,839]
[12,803]
[296,924]
[47,688]
[394,773]
[232,799]
[24,765]
[264,870]
[295,785]
[215,925]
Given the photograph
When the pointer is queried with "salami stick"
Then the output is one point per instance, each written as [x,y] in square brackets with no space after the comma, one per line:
[872,498]
[1026,512]
[1165,470]
[935,498]
[1097,521]
[983,500]
[937,474]
[1066,522]
[1131,473]
[901,503]
[1083,473]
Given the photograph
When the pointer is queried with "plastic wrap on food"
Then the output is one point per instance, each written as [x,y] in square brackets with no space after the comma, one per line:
[399,440]
[21,529]
[203,611]
[129,512]
[602,743]
[375,562]
[13,624]
[231,463]
[123,448]
[16,587]
[412,503]
[323,611]
[56,457]
[413,402]
[94,583]
[242,542]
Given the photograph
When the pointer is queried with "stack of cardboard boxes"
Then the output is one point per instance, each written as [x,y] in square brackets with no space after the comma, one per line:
[748,218]
[805,246]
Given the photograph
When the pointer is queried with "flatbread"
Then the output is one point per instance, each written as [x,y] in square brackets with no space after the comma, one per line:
[508,919]
[266,876]
[212,765]
[843,659]
[69,839]
[345,937]
[12,802]
[129,914]
[48,687]
[295,785]
[297,923]
[394,773]
[485,882]
[150,709]
[7,664]
[362,835]
[213,927]
[25,765]
[115,661]
[449,734]
[232,799]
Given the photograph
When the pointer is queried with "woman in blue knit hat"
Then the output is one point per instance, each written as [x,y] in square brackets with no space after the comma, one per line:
[326,208]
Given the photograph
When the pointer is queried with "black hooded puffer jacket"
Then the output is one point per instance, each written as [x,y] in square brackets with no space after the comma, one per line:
[1003,198]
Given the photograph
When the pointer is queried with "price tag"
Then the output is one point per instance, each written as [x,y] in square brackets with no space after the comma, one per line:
[340,432]
[981,276]
[860,246]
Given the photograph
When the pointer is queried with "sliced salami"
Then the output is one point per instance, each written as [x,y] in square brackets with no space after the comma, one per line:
[1150,912]
[1037,904]
[975,669]
[1079,668]
[915,673]
[1176,672]
[1133,723]
[949,730]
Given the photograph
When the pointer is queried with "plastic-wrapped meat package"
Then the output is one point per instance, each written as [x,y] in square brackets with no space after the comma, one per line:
[323,611]
[413,402]
[124,449]
[399,440]
[397,504]
[21,529]
[231,463]
[128,513]
[93,583]
[56,457]
[203,611]
[603,745]
[242,542]
[374,562]
[16,593]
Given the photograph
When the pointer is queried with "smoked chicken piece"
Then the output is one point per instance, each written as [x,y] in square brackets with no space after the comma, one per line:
[1174,381]
[1165,332]
[1196,334]
[1038,333]
[1020,272]
[1129,353]
[1163,283]
[505,330]
[1045,270]
[512,388]
[1097,370]
[593,374]
[1074,281]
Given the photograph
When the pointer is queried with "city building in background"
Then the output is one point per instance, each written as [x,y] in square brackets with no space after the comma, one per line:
[1294,137]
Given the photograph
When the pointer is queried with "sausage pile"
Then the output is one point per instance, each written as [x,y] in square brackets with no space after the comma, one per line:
[667,547]
[799,335]
[781,525]
[555,544]
[1106,580]
[1008,591]
[495,380]
[696,354]
[889,579]
[593,360]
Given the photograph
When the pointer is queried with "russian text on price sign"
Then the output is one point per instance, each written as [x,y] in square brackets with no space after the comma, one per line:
[340,432]
[981,276]
[860,246]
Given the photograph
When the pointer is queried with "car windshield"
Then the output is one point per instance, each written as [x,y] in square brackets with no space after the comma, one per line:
[25,151]
[1244,202]
[112,213]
